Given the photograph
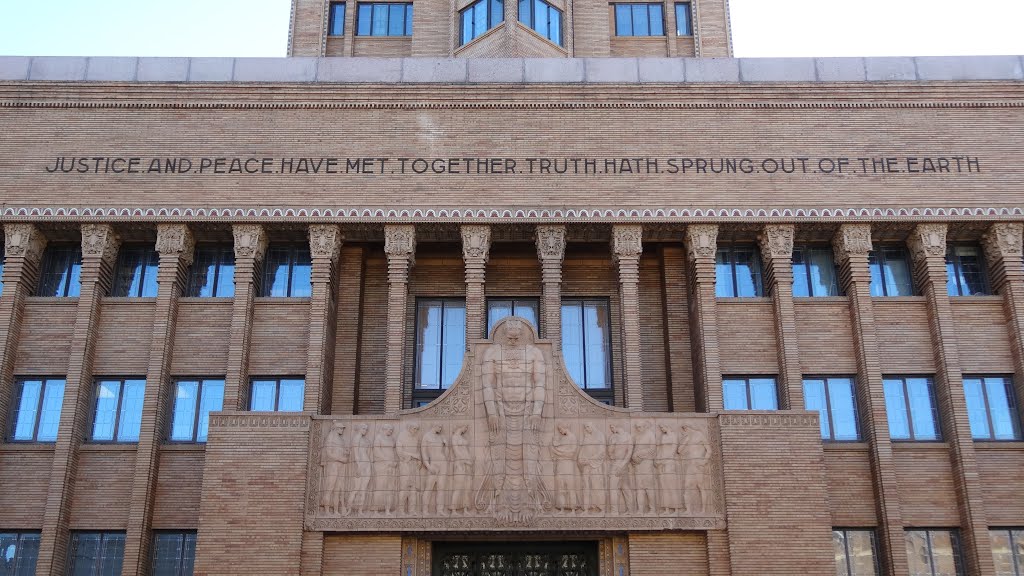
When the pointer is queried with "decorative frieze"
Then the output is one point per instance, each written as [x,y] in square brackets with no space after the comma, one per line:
[551,242]
[701,240]
[927,240]
[1004,240]
[400,240]
[476,242]
[627,241]
[325,241]
[851,240]
[175,240]
[23,240]
[776,241]
[100,241]
[250,241]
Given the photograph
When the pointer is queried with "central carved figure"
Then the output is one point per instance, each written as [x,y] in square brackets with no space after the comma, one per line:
[513,386]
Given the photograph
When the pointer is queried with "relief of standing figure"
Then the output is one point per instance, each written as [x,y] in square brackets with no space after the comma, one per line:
[462,479]
[565,449]
[644,451]
[593,453]
[333,459]
[357,500]
[409,464]
[385,470]
[435,460]
[620,451]
[693,447]
[667,464]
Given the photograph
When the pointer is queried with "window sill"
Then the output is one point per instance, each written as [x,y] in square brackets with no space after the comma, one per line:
[183,447]
[109,447]
[876,299]
[909,445]
[129,299]
[206,300]
[858,446]
[27,447]
[1013,445]
[284,299]
[984,298]
[817,299]
[372,37]
[68,300]
[742,300]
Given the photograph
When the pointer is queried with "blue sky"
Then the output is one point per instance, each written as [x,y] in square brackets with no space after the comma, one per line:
[760,27]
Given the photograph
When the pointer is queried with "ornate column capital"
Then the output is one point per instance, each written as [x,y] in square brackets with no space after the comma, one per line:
[100,241]
[250,241]
[776,241]
[400,240]
[325,241]
[627,241]
[175,240]
[24,240]
[476,242]
[927,240]
[1004,240]
[851,240]
[550,242]
[701,241]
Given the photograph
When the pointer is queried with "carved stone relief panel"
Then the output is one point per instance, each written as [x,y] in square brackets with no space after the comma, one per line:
[514,444]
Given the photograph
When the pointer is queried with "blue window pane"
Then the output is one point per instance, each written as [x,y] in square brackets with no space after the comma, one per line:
[226,278]
[212,400]
[555,26]
[595,334]
[167,551]
[657,19]
[762,394]
[528,311]
[641,25]
[408,19]
[898,279]
[380,20]
[1002,409]
[49,417]
[496,310]
[149,276]
[132,393]
[814,399]
[896,409]
[85,554]
[922,409]
[683,27]
[263,395]
[526,12]
[364,20]
[454,342]
[107,395]
[734,394]
[204,274]
[952,286]
[724,280]
[572,342]
[480,24]
[301,283]
[748,272]
[428,341]
[186,397]
[112,555]
[276,271]
[800,286]
[844,413]
[467,25]
[27,408]
[823,272]
[337,19]
[623,20]
[291,399]
[497,12]
[877,276]
[976,412]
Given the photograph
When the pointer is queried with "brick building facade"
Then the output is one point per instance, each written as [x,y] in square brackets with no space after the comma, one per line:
[224,278]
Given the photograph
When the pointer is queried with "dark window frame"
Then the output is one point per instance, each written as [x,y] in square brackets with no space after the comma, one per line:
[746,388]
[648,6]
[607,394]
[878,253]
[828,404]
[424,396]
[62,291]
[513,299]
[332,14]
[117,411]
[18,559]
[492,19]
[910,413]
[185,535]
[954,536]
[800,247]
[532,23]
[689,18]
[1018,565]
[730,248]
[97,563]
[198,406]
[954,259]
[277,392]
[1013,408]
[407,15]
[266,283]
[846,547]
[221,249]
[119,269]
[19,381]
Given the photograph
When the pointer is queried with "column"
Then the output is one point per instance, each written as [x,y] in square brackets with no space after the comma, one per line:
[250,248]
[551,252]
[627,246]
[22,252]
[776,242]
[99,252]
[851,246]
[1004,244]
[476,246]
[701,245]
[324,248]
[400,246]
[928,247]
[176,247]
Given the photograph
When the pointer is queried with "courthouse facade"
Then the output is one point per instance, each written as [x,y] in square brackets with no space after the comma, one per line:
[512,288]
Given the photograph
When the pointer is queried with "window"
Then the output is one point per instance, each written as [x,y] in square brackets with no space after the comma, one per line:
[498,308]
[136,272]
[756,393]
[684,23]
[855,552]
[639,20]
[18,553]
[37,405]
[833,398]
[384,19]
[543,18]
[62,267]
[277,394]
[213,271]
[814,273]
[174,553]
[336,19]
[934,553]
[440,346]
[910,405]
[194,399]
[1008,550]
[991,408]
[965,270]
[479,17]
[586,345]
[118,413]
[738,271]
[1,268]
[96,553]
[890,271]
[286,272]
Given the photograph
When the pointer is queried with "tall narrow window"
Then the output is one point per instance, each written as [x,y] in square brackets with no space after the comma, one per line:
[19,552]
[934,553]
[37,407]
[586,346]
[498,308]
[1008,550]
[738,271]
[833,399]
[756,393]
[684,23]
[277,394]
[336,19]
[61,271]
[991,408]
[890,271]
[543,18]
[814,272]
[479,17]
[639,19]
[965,270]
[286,272]
[440,346]
[213,271]
[2,259]
[384,19]
[910,406]
[174,553]
[117,413]
[855,552]
[194,399]
[136,272]
[96,553]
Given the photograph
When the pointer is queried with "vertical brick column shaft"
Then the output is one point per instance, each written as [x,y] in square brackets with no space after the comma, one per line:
[476,246]
[324,248]
[99,250]
[1004,244]
[851,246]
[23,251]
[400,246]
[176,247]
[776,242]
[627,246]
[678,346]
[701,245]
[928,248]
[250,248]
[551,252]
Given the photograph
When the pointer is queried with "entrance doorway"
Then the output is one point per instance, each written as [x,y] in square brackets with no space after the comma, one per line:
[515,559]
